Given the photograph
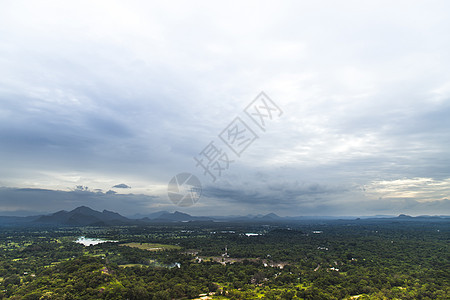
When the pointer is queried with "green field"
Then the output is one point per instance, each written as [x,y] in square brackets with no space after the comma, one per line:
[151,246]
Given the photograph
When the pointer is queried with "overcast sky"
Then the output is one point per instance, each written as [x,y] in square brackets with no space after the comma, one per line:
[103,102]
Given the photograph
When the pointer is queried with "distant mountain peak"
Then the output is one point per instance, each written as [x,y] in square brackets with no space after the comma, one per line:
[175,216]
[82,208]
[179,213]
[149,216]
[269,216]
[83,215]
[404,216]
[273,216]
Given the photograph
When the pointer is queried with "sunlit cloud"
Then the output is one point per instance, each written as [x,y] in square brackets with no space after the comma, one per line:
[420,189]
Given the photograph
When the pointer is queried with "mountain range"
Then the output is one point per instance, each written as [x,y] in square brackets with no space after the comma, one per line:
[85,216]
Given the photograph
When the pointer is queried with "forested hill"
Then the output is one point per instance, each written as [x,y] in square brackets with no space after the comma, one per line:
[85,216]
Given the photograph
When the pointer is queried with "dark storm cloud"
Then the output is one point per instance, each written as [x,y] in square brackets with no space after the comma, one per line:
[54,125]
[122,186]
[320,201]
[45,200]
[274,194]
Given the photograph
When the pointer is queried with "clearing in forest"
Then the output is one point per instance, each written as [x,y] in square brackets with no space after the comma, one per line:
[151,246]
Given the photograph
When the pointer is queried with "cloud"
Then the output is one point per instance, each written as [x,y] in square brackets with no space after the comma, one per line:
[284,199]
[122,186]
[273,194]
[420,189]
[26,201]
[136,94]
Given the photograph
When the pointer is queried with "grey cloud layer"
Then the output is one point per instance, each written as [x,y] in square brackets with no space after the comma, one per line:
[135,94]
[43,200]
[305,200]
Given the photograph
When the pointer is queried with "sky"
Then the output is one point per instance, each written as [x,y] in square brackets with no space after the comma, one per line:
[102,103]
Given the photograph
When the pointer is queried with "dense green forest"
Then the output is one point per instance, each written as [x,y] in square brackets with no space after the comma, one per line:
[317,260]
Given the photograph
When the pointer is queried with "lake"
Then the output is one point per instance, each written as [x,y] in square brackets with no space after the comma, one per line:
[89,241]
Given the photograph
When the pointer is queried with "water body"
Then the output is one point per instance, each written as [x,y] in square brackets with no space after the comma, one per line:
[89,241]
[252,234]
